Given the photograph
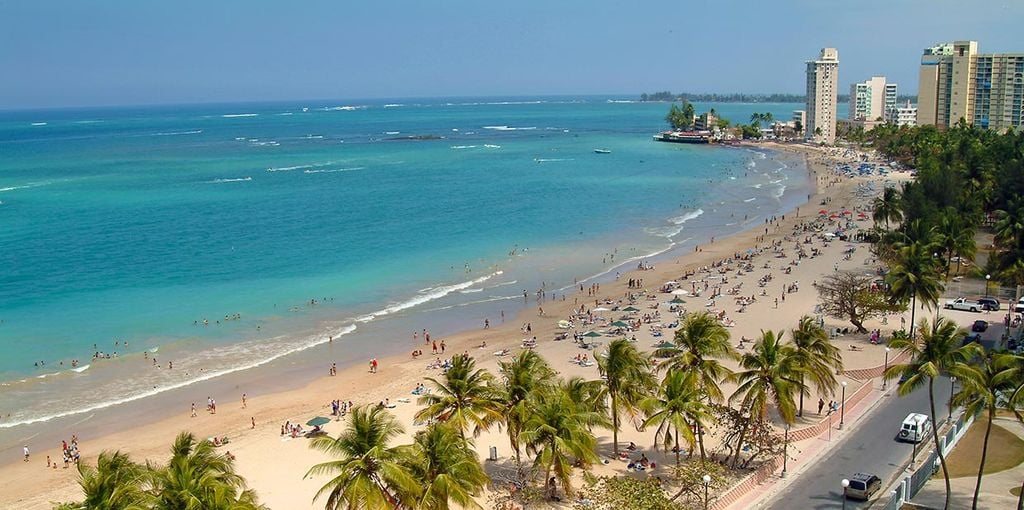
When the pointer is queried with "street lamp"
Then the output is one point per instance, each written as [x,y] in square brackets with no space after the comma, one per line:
[707,482]
[842,407]
[785,452]
[845,483]
[885,380]
[987,278]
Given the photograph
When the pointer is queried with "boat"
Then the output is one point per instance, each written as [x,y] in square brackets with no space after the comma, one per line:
[684,136]
[603,151]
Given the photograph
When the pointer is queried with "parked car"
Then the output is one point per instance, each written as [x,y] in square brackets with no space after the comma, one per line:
[863,486]
[979,326]
[915,428]
[963,304]
[989,303]
[1019,307]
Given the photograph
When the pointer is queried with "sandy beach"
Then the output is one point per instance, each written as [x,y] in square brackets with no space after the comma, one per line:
[274,465]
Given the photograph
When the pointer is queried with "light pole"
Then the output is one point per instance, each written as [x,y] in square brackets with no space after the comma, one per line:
[785,452]
[707,482]
[842,407]
[885,380]
[987,278]
[845,483]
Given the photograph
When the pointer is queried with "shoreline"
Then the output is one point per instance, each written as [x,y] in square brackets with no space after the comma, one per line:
[274,407]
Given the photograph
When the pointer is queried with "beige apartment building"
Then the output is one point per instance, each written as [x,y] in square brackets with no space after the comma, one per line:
[956,83]
[871,101]
[822,96]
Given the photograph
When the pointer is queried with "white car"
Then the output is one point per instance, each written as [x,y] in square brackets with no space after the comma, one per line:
[1019,307]
[963,304]
[915,428]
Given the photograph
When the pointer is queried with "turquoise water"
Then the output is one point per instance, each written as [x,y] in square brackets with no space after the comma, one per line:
[132,224]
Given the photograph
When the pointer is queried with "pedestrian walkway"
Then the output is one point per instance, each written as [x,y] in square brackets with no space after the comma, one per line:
[995,487]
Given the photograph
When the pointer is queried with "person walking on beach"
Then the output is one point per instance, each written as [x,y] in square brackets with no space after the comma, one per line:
[244,405]
[821,404]
[25,450]
[193,409]
[442,346]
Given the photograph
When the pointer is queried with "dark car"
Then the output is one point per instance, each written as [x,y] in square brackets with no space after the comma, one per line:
[989,303]
[862,486]
[971,338]
[979,326]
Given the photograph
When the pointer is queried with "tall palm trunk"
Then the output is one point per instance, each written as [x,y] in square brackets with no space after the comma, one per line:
[700,441]
[801,413]
[615,425]
[913,309]
[938,447]
[1020,499]
[984,452]
[677,448]
[739,446]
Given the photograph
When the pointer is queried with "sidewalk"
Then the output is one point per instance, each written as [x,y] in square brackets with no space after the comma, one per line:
[995,487]
[810,450]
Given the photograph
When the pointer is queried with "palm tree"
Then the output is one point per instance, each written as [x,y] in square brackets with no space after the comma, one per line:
[955,237]
[937,353]
[367,473]
[464,398]
[886,208]
[913,278]
[679,405]
[447,467]
[700,343]
[590,396]
[558,433]
[816,357]
[771,374]
[628,378]
[198,477]
[983,388]
[524,376]
[116,483]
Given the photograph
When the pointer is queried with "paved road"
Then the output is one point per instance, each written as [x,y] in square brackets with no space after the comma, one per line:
[870,447]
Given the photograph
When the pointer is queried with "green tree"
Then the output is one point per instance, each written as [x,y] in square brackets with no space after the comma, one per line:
[937,353]
[817,359]
[983,388]
[197,477]
[558,433]
[701,343]
[446,466]
[913,279]
[116,483]
[367,473]
[463,398]
[887,207]
[677,408]
[954,236]
[627,377]
[524,376]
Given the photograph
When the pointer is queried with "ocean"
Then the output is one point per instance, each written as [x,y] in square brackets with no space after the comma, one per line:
[224,237]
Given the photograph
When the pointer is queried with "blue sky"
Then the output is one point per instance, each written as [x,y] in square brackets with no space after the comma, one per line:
[88,53]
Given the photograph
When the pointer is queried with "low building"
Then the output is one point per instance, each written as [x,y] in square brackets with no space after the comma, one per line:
[902,115]
[799,121]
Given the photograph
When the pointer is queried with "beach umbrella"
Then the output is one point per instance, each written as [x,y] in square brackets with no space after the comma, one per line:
[318,421]
[599,309]
[665,345]
[630,309]
[620,324]
[677,301]
[671,282]
[592,334]
[680,292]
[823,212]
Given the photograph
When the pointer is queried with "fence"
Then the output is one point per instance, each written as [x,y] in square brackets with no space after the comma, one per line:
[909,486]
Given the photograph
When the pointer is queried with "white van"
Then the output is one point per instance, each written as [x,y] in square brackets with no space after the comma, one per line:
[916,428]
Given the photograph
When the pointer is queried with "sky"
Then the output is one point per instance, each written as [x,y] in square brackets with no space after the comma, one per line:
[60,53]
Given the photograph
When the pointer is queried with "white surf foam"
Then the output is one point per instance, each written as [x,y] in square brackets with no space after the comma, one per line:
[299,167]
[236,179]
[175,133]
[38,123]
[425,296]
[236,115]
[679,220]
[322,339]
[510,128]
[471,291]
[333,170]
[392,132]
[750,200]
[492,146]
[81,369]
[550,160]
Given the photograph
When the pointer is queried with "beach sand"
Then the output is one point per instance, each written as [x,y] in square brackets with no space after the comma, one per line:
[275,466]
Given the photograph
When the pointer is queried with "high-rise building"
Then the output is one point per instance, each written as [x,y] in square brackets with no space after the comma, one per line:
[958,83]
[870,100]
[902,115]
[822,96]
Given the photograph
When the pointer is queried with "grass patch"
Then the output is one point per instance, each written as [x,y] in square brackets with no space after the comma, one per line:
[1015,491]
[1005,450]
